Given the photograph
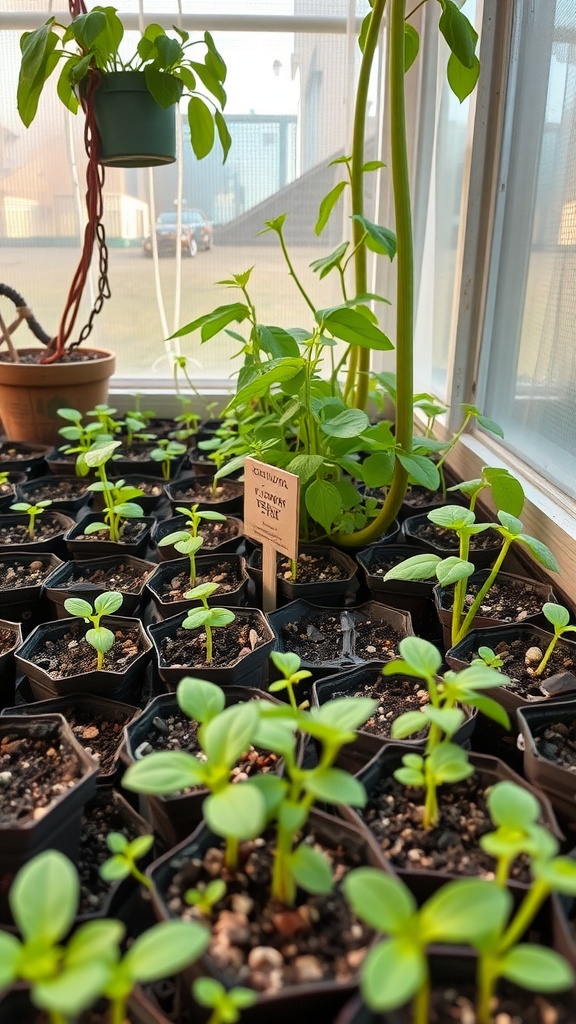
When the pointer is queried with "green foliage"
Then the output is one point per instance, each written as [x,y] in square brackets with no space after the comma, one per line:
[559,619]
[226,1004]
[99,637]
[207,896]
[92,43]
[125,854]
[289,665]
[32,511]
[209,618]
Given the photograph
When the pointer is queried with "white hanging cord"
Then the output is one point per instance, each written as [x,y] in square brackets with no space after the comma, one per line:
[179,188]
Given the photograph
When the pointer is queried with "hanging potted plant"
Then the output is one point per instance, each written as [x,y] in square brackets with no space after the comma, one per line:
[117,94]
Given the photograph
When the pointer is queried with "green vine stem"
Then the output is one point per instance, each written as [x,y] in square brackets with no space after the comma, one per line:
[405,277]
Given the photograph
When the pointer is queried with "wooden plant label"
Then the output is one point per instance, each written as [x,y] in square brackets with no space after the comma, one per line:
[271,507]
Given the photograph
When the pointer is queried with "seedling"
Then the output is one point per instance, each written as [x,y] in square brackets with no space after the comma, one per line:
[506,491]
[67,977]
[206,898]
[396,970]
[457,570]
[125,854]
[166,453]
[515,812]
[187,423]
[99,637]
[82,437]
[289,665]
[105,414]
[291,797]
[234,811]
[135,430]
[210,618]
[488,657]
[32,511]
[442,761]
[117,498]
[559,618]
[188,541]
[226,1005]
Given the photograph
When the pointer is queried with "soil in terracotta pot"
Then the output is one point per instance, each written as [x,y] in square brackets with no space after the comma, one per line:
[71,655]
[556,741]
[99,732]
[126,578]
[312,568]
[130,533]
[63,490]
[395,696]
[325,636]
[187,647]
[507,600]
[175,731]
[17,533]
[394,816]
[225,575]
[35,356]
[34,771]
[262,944]
[520,664]
[203,492]
[19,574]
[100,817]
[439,536]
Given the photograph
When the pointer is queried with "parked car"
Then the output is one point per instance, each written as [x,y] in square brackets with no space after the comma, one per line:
[196,233]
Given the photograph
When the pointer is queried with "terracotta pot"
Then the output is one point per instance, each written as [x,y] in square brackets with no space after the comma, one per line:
[247,670]
[31,393]
[124,685]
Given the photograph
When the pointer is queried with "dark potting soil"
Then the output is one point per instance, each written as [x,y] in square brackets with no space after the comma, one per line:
[187,647]
[35,356]
[441,537]
[226,575]
[455,1005]
[99,732]
[395,696]
[507,600]
[7,640]
[312,568]
[129,579]
[394,812]
[65,490]
[45,527]
[131,532]
[556,741]
[100,817]
[175,731]
[418,497]
[34,771]
[203,492]
[329,636]
[262,944]
[148,487]
[382,561]
[215,533]
[18,574]
[71,655]
[521,657]
[8,453]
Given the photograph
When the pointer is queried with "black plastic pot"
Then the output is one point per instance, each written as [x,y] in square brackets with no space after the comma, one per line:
[7,664]
[58,827]
[137,460]
[303,612]
[558,782]
[312,1001]
[25,604]
[163,573]
[21,457]
[62,464]
[174,817]
[560,685]
[148,502]
[89,707]
[93,547]
[54,544]
[125,685]
[443,603]
[46,488]
[168,552]
[248,670]
[62,585]
[481,557]
[8,495]
[415,596]
[330,593]
[183,492]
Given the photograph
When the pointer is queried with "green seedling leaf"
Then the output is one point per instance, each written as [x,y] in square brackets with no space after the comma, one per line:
[421,658]
[346,714]
[311,870]
[44,896]
[557,615]
[76,606]
[164,950]
[164,772]
[228,735]
[237,810]
[407,724]
[540,552]
[452,569]
[411,46]
[349,423]
[200,699]
[73,990]
[536,968]
[382,901]
[446,916]
[323,503]
[95,940]
[417,567]
[458,32]
[421,470]
[101,639]
[10,953]
[392,973]
[452,517]
[379,239]
[336,787]
[512,805]
[352,326]
[327,205]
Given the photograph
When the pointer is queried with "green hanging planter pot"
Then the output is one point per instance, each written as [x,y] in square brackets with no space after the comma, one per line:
[134,130]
